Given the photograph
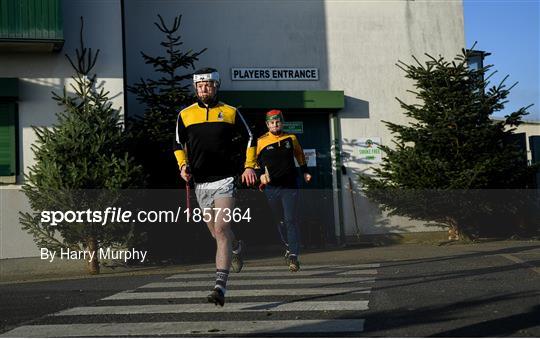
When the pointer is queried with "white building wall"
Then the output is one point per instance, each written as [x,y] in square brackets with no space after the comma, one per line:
[41,73]
[354,44]
[365,40]
[264,33]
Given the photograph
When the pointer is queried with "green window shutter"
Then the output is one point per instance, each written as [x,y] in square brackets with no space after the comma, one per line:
[31,25]
[8,145]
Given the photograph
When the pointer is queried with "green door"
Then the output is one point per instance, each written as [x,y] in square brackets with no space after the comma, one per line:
[317,208]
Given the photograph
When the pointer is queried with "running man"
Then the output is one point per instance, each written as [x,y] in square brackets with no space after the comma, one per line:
[276,152]
[203,149]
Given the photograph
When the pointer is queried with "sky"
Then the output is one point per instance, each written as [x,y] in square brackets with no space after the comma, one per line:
[510,31]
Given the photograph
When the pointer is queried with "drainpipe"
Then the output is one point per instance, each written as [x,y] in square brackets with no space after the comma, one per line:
[337,150]
[124,66]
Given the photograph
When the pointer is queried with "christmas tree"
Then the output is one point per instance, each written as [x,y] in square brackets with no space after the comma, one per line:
[153,133]
[81,164]
[451,152]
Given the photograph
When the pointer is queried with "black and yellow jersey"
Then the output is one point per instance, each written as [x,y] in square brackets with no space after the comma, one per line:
[208,132]
[277,154]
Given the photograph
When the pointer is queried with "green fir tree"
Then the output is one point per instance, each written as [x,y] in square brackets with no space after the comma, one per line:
[81,163]
[451,152]
[153,133]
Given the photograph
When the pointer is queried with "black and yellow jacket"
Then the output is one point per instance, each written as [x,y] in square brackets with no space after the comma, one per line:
[277,154]
[208,134]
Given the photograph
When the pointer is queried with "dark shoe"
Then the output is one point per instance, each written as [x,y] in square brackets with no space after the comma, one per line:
[294,264]
[238,258]
[286,257]
[216,297]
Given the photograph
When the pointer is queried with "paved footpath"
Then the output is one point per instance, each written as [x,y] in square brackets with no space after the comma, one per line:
[261,300]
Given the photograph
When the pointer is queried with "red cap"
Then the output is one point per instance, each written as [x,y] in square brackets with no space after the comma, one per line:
[274,114]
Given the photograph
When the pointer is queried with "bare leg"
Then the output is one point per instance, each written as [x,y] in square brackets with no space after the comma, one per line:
[211,225]
[223,234]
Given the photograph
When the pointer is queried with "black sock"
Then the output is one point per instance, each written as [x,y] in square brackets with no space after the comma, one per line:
[221,280]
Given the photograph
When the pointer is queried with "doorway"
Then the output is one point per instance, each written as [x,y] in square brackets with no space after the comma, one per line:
[312,128]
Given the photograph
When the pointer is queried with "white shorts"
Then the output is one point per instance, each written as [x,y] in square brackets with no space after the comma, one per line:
[207,192]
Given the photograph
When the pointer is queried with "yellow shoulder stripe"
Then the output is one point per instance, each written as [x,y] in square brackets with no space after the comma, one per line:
[195,114]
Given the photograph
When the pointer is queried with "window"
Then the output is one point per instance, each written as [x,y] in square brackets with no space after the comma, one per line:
[476,59]
[8,130]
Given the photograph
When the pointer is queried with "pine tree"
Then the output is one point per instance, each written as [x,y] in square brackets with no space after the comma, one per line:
[81,163]
[153,133]
[451,151]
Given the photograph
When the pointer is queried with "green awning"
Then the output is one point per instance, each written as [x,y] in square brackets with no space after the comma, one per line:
[31,25]
[331,100]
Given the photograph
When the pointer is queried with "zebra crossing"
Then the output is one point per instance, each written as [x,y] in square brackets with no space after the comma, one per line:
[262,300]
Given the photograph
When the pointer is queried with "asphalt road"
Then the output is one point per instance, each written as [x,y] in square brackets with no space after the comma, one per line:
[484,294]
[476,290]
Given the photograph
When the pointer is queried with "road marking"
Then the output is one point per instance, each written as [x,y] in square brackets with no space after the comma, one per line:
[273,274]
[287,281]
[274,306]
[335,281]
[239,293]
[521,262]
[189,327]
[248,268]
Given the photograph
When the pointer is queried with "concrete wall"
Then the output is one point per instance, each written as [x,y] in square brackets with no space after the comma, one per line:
[355,45]
[41,73]
[365,41]
[14,242]
[264,33]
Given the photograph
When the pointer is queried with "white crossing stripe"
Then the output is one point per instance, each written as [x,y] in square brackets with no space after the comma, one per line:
[189,327]
[285,273]
[324,281]
[233,282]
[357,305]
[238,293]
[248,268]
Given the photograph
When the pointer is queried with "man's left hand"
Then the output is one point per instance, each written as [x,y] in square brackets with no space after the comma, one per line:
[307,177]
[249,177]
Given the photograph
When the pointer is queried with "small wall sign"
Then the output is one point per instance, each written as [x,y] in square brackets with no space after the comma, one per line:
[279,74]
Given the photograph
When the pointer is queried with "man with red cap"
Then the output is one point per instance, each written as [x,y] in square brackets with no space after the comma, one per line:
[276,151]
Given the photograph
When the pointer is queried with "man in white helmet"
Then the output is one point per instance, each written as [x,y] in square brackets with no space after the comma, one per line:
[204,149]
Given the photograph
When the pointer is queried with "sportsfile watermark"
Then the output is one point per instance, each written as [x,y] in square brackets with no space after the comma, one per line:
[120,215]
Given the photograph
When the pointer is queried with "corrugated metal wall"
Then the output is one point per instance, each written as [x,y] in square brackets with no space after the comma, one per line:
[31,19]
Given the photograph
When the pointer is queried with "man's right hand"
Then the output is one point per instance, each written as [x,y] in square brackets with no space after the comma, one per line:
[184,173]
[264,181]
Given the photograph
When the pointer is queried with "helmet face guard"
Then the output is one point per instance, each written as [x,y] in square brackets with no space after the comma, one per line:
[203,75]
[211,75]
